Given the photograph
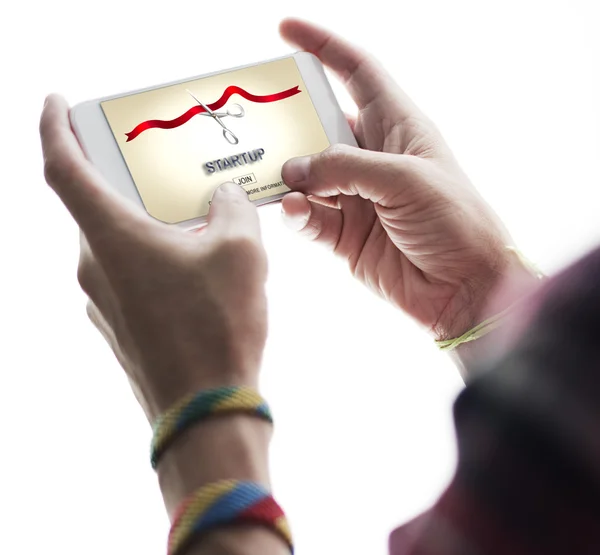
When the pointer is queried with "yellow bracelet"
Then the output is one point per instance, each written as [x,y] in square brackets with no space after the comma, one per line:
[494,322]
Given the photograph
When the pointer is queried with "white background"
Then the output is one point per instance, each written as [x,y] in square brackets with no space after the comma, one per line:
[364,436]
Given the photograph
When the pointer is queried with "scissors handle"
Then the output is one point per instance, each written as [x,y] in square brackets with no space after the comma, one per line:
[236,111]
[230,137]
[227,133]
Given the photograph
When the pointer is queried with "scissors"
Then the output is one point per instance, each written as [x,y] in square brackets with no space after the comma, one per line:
[237,112]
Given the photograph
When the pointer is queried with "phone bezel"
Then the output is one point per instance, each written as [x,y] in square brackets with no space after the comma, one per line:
[101,148]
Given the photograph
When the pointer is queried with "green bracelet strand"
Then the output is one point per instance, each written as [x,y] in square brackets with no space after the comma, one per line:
[489,325]
[202,405]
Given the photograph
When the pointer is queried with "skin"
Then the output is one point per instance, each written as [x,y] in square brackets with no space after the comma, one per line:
[187,311]
[399,209]
[181,311]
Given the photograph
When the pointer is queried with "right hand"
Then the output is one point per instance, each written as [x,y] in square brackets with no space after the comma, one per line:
[400,209]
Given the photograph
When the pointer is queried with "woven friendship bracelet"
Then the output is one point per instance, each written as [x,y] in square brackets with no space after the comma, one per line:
[494,322]
[199,406]
[224,503]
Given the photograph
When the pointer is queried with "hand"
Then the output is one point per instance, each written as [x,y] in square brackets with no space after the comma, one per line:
[400,210]
[182,311]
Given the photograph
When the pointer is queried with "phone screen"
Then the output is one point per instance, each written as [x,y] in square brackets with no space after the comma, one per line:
[178,153]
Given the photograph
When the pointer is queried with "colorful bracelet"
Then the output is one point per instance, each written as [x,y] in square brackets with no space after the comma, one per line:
[199,406]
[480,330]
[225,503]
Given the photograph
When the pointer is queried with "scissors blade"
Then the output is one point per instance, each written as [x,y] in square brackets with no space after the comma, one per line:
[208,110]
[226,131]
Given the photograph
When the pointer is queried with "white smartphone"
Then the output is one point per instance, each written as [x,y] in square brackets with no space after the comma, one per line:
[167,148]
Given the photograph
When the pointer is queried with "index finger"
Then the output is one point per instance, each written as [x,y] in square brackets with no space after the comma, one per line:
[93,204]
[365,79]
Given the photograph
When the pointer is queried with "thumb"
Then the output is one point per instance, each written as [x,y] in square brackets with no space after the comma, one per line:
[232,214]
[376,176]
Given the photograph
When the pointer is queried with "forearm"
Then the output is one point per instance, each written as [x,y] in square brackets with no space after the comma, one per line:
[240,541]
[230,447]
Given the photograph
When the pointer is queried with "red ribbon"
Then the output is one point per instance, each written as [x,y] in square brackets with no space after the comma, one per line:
[187,116]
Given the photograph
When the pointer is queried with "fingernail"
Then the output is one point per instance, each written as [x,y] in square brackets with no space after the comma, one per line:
[296,170]
[296,222]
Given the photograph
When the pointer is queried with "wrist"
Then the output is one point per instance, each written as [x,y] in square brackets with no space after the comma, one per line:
[485,302]
[164,386]
[229,447]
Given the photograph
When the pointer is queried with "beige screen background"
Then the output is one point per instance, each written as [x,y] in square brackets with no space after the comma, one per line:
[167,165]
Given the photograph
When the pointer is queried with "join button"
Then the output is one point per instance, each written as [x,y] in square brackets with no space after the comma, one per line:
[245,179]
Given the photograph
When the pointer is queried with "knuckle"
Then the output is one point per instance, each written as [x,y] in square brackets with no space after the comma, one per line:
[336,154]
[85,275]
[411,164]
[58,170]
[407,168]
[51,171]
[329,162]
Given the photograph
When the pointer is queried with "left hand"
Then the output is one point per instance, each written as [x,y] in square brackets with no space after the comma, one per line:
[182,311]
